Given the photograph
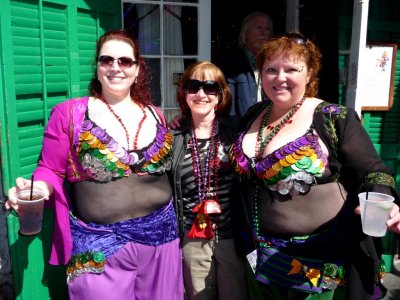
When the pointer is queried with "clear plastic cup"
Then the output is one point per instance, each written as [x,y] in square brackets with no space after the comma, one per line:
[375,212]
[30,212]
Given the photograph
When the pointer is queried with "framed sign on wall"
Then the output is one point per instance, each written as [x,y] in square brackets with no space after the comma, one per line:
[376,83]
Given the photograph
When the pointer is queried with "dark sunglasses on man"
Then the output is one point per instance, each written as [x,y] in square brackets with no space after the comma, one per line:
[209,87]
[123,61]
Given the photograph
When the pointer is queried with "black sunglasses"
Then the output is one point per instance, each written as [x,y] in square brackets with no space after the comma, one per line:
[123,62]
[209,87]
[297,38]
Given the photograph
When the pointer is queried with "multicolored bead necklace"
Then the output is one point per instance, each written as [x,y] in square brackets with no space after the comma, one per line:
[261,144]
[203,174]
[203,226]
[135,140]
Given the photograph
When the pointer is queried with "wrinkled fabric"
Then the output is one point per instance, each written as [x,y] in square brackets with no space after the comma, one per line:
[155,229]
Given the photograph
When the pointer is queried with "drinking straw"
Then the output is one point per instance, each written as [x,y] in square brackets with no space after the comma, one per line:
[31,187]
[366,196]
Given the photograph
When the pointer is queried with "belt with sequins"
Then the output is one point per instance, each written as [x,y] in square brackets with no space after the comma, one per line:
[94,243]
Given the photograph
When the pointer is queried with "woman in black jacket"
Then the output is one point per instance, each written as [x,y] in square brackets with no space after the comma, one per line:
[204,184]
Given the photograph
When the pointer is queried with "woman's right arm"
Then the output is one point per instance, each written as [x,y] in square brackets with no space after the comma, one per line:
[53,159]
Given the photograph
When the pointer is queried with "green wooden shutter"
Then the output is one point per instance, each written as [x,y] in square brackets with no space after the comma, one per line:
[47,50]
[383,127]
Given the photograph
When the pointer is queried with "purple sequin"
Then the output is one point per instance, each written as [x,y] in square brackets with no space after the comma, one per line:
[96,131]
[312,137]
[86,125]
[104,137]
[112,145]
[331,108]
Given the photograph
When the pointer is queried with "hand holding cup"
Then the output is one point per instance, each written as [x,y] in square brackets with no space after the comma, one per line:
[375,212]
[27,201]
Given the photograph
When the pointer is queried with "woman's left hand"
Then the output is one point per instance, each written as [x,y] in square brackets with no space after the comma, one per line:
[393,223]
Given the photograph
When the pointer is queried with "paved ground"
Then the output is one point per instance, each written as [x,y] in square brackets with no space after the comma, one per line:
[392,282]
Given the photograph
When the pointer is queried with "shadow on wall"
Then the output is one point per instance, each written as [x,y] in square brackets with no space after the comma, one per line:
[34,252]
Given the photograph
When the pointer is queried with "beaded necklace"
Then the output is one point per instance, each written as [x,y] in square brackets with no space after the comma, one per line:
[135,140]
[261,144]
[202,172]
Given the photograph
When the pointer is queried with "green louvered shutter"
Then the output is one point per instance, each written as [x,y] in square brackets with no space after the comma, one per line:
[47,54]
[383,127]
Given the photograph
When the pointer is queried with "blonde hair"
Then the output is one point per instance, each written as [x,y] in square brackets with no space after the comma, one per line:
[247,22]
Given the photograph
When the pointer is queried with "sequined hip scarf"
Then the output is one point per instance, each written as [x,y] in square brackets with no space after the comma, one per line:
[305,274]
[94,243]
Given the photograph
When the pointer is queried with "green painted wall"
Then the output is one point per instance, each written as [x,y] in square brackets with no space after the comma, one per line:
[47,50]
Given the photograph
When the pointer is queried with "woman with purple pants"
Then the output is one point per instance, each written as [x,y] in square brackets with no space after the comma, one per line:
[115,228]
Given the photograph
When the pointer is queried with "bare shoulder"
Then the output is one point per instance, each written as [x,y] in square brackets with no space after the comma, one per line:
[312,103]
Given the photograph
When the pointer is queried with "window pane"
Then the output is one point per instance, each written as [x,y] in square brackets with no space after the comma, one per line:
[143,20]
[154,66]
[174,68]
[180,30]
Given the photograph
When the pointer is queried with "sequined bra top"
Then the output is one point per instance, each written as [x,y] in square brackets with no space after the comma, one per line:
[290,169]
[105,159]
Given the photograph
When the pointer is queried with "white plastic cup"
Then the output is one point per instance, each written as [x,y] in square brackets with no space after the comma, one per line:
[30,212]
[375,212]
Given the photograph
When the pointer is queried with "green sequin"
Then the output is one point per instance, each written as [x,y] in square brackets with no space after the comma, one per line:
[330,270]
[98,257]
[85,146]
[340,272]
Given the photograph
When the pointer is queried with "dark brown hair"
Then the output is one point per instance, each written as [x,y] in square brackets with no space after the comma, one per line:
[198,70]
[140,89]
[294,46]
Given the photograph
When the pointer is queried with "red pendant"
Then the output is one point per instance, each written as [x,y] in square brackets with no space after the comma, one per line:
[201,228]
[202,225]
[207,207]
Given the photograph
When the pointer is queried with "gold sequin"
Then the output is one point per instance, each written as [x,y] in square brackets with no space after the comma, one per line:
[297,156]
[284,162]
[87,136]
[290,159]
[277,167]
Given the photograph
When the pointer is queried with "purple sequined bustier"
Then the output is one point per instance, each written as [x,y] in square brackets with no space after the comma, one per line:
[290,169]
[105,159]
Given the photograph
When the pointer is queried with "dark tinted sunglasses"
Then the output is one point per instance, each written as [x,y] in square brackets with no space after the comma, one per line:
[209,87]
[297,38]
[123,62]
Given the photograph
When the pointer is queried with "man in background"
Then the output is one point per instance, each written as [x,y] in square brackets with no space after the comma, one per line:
[239,65]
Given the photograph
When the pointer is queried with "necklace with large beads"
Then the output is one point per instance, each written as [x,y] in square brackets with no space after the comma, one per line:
[208,201]
[261,144]
[118,118]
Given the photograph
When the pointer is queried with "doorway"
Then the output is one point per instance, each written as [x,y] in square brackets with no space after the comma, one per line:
[317,21]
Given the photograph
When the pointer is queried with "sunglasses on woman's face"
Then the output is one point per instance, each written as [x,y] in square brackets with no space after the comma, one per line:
[209,87]
[123,61]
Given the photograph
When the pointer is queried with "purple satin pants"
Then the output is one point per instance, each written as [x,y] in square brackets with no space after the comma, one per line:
[135,272]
